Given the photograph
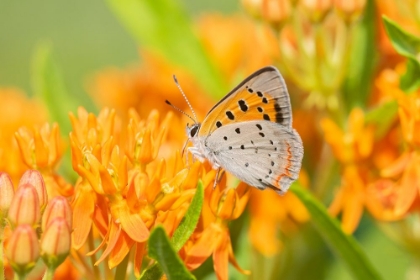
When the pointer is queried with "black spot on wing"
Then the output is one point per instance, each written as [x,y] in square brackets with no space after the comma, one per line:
[218,124]
[279,114]
[259,126]
[237,130]
[230,115]
[242,105]
[266,117]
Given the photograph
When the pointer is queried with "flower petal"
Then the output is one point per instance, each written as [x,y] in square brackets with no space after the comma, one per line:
[83,207]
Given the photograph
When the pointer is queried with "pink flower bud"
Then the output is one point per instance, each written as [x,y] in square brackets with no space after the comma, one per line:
[6,192]
[23,249]
[57,207]
[55,242]
[25,207]
[35,178]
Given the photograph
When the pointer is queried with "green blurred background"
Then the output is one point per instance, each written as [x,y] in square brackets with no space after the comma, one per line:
[86,37]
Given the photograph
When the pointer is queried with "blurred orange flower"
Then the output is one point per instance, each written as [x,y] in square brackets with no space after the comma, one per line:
[16,111]
[266,222]
[360,185]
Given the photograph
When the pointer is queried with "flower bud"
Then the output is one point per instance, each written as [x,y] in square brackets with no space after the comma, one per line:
[57,207]
[55,242]
[316,9]
[35,178]
[349,10]
[6,193]
[276,12]
[22,250]
[253,7]
[25,206]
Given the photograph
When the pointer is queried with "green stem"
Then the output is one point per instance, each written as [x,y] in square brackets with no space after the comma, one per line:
[93,259]
[49,274]
[121,271]
[325,173]
[2,224]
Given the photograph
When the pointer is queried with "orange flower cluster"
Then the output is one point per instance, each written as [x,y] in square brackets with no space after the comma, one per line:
[123,193]
[379,172]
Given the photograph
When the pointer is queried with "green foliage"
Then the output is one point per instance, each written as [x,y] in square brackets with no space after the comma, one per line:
[189,222]
[170,35]
[362,62]
[342,244]
[48,85]
[408,46]
[170,263]
[382,117]
[163,252]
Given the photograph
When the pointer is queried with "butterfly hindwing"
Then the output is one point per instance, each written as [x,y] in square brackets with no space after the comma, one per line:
[260,153]
[261,96]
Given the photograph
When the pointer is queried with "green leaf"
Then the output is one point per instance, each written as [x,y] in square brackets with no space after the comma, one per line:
[363,60]
[163,252]
[345,246]
[183,232]
[163,27]
[404,43]
[189,222]
[48,85]
[382,117]
[408,46]
[410,81]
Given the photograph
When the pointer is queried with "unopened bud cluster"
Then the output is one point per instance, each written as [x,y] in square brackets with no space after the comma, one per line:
[38,227]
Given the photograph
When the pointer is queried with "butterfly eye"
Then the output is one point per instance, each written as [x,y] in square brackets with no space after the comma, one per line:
[193,130]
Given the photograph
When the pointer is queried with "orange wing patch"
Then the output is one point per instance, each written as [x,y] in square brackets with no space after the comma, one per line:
[287,166]
[246,105]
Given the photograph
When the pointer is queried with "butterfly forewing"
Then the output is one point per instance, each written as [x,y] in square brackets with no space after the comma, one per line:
[261,153]
[263,95]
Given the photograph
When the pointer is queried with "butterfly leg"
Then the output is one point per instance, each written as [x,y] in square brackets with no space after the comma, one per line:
[218,178]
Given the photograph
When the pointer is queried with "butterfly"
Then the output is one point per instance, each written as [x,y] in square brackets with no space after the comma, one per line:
[249,133]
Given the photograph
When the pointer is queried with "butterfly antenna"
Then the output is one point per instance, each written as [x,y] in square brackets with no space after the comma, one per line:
[186,99]
[179,110]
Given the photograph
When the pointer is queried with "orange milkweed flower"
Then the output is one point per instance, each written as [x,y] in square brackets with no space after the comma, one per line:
[359,189]
[16,111]
[211,236]
[126,195]
[265,222]
[41,149]
[231,43]
[141,89]
[89,135]
[406,169]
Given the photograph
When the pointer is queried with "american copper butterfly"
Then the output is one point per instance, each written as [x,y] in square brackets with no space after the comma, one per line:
[249,133]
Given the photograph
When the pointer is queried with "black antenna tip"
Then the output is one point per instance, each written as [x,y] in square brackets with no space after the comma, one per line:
[175,79]
[167,102]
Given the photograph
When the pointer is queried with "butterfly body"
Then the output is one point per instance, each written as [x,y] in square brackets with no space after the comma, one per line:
[249,133]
